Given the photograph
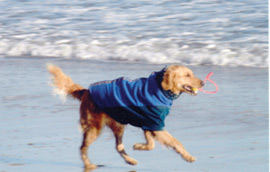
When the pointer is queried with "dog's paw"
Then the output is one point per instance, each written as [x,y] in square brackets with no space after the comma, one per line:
[131,161]
[189,158]
[90,166]
[140,146]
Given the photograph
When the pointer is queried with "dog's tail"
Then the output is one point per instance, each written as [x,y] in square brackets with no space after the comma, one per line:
[63,84]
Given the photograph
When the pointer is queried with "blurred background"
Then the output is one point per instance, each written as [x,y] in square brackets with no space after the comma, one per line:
[215,32]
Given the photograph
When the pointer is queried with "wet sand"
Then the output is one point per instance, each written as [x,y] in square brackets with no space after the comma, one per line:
[227,131]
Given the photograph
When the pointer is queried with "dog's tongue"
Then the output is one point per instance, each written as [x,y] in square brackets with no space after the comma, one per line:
[207,78]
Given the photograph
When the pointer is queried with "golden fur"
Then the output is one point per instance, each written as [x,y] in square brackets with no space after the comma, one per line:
[176,78]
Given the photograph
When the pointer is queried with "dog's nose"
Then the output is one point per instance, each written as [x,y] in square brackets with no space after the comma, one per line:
[202,83]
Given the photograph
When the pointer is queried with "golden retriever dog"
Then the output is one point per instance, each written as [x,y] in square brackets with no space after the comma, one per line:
[99,109]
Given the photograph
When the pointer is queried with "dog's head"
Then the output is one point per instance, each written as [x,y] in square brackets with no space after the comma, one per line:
[181,79]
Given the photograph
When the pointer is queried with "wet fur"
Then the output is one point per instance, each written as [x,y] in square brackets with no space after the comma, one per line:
[93,119]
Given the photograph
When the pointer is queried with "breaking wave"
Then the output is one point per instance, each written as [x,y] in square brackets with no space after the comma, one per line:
[151,51]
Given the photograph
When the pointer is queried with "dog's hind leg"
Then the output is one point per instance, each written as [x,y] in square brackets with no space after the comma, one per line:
[150,142]
[118,130]
[166,139]
[89,137]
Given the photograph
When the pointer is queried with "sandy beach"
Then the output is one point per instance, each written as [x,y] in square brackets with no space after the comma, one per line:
[226,131]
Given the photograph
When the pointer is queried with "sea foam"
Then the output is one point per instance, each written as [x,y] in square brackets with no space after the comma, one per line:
[156,51]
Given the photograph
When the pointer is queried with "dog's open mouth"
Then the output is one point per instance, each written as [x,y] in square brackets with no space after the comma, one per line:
[190,90]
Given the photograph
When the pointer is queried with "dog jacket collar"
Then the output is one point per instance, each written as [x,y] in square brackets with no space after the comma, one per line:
[141,102]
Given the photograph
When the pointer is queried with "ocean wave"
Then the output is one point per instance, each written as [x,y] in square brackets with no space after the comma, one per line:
[189,32]
[156,51]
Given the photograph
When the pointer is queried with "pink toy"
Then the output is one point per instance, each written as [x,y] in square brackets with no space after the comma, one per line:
[208,78]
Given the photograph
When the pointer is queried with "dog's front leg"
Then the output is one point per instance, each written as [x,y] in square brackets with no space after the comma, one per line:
[166,139]
[150,142]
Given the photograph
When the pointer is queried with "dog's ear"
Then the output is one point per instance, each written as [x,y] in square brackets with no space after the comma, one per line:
[168,78]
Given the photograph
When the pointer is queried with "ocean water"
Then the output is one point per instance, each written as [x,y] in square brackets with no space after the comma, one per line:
[197,32]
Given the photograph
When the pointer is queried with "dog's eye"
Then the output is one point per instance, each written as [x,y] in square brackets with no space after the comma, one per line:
[188,75]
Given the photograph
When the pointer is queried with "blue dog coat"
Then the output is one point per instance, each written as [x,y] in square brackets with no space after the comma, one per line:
[141,102]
